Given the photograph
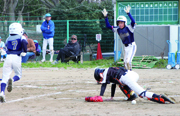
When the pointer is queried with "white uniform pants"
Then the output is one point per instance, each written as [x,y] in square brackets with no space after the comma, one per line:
[49,41]
[130,79]
[12,62]
[129,53]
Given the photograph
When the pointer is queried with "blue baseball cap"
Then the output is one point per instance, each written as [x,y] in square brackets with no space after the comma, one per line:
[48,15]
[35,41]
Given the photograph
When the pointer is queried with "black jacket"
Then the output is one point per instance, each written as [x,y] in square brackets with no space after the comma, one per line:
[73,48]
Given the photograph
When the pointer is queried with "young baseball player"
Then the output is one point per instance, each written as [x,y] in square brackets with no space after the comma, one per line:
[126,33]
[126,80]
[16,47]
[47,28]
[2,50]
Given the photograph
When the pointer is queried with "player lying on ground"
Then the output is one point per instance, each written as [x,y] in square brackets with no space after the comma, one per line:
[126,80]
[16,47]
[126,33]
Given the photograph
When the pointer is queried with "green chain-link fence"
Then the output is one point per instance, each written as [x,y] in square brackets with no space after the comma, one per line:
[64,29]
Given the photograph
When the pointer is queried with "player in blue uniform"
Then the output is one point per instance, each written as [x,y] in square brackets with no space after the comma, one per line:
[126,33]
[127,81]
[16,47]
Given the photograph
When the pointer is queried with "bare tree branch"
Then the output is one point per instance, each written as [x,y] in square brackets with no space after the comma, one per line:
[47,3]
[14,4]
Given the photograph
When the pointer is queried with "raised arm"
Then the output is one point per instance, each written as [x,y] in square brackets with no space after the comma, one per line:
[127,10]
[106,19]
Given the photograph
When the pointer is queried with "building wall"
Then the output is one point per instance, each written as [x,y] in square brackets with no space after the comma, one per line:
[151,40]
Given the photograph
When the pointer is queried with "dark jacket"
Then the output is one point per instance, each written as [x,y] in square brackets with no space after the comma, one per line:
[73,48]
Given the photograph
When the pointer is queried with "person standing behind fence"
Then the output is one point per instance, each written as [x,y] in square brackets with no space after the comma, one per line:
[47,29]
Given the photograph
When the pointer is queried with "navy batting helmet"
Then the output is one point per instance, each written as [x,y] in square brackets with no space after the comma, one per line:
[97,73]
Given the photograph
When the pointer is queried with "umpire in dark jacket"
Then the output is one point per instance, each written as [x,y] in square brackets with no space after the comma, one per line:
[71,49]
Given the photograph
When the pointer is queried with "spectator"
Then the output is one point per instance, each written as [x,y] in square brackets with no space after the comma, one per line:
[31,49]
[47,29]
[2,50]
[71,49]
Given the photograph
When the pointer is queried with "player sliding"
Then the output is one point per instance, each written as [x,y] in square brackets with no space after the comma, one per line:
[16,47]
[126,80]
[126,33]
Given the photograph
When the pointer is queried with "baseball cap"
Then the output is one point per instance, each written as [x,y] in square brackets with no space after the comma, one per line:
[35,41]
[48,15]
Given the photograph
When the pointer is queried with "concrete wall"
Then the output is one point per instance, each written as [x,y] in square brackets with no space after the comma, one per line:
[151,40]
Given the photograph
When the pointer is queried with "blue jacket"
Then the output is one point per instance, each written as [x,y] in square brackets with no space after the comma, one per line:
[48,33]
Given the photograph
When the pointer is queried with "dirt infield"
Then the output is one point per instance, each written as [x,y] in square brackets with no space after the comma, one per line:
[61,92]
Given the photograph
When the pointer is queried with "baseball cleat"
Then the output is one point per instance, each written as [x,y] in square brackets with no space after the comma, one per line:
[51,60]
[9,87]
[168,100]
[2,98]
[55,62]
[43,60]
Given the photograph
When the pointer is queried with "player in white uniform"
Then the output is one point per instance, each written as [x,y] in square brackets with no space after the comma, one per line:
[126,33]
[2,49]
[16,47]
[127,81]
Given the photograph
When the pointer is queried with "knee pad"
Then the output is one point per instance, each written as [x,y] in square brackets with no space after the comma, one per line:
[128,92]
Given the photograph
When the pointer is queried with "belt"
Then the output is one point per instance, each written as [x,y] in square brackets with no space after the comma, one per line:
[126,45]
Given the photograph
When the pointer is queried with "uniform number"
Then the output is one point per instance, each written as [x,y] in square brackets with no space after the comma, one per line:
[14,43]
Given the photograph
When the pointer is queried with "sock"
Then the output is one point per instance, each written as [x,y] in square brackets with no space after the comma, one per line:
[52,54]
[57,60]
[5,55]
[44,54]
[15,78]
[3,86]
[2,56]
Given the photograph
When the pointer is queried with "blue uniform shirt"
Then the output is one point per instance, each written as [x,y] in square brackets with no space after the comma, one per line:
[48,33]
[127,33]
[16,44]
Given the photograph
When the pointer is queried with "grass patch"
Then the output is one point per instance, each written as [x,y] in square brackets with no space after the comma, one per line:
[161,63]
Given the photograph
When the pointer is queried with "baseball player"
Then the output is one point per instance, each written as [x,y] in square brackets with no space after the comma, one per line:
[126,80]
[16,47]
[126,33]
[47,29]
[2,50]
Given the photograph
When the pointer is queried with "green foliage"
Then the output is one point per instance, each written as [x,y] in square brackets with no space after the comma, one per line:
[162,63]
[84,18]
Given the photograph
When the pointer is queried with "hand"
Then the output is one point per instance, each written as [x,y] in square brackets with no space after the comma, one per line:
[105,12]
[111,99]
[23,54]
[48,27]
[127,9]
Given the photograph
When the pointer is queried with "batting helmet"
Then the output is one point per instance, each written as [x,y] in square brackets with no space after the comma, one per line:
[16,28]
[97,73]
[122,18]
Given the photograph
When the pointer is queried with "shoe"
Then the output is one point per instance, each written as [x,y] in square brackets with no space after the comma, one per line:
[51,60]
[2,98]
[55,62]
[43,60]
[168,100]
[9,87]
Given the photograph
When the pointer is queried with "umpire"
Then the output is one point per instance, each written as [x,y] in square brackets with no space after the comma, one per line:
[71,49]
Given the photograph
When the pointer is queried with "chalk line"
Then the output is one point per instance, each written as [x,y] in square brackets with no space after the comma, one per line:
[33,97]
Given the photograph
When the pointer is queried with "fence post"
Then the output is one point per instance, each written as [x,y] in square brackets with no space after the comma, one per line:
[67,31]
